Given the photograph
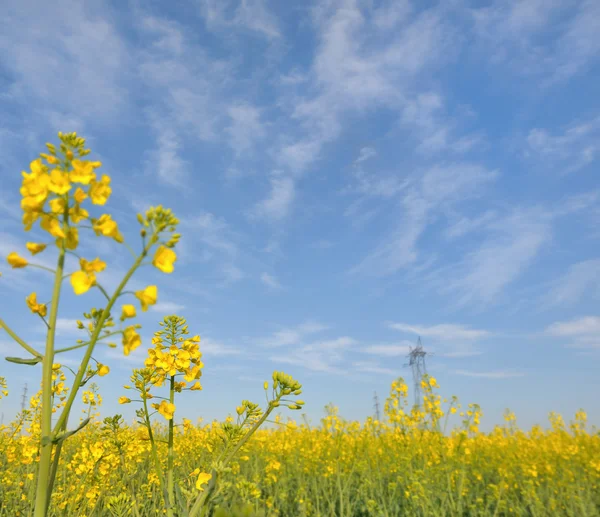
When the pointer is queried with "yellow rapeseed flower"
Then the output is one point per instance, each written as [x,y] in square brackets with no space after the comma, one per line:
[82,281]
[124,400]
[34,306]
[100,190]
[127,311]
[164,259]
[83,172]
[131,340]
[203,478]
[59,182]
[92,266]
[34,248]
[50,224]
[107,227]
[103,370]
[16,261]
[147,296]
[166,409]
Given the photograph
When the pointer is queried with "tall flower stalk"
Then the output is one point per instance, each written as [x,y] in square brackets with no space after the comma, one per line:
[54,194]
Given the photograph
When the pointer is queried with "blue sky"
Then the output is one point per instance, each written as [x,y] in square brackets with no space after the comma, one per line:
[348,174]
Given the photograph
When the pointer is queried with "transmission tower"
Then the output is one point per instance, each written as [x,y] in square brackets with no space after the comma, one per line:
[416,361]
[376,407]
[23,398]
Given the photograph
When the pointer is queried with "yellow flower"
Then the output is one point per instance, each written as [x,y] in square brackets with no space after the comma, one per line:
[16,261]
[124,400]
[82,281]
[107,227]
[72,239]
[164,259]
[52,226]
[57,205]
[131,340]
[79,195]
[103,370]
[34,306]
[76,213]
[147,296]
[196,386]
[59,182]
[93,266]
[128,311]
[83,171]
[203,478]
[34,248]
[166,409]
[100,190]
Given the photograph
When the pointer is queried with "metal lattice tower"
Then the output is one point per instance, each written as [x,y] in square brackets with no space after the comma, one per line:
[416,361]
[24,398]
[376,407]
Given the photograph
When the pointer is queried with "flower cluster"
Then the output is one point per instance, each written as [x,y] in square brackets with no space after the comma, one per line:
[182,357]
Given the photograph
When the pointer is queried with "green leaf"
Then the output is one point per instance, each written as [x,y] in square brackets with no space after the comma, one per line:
[30,362]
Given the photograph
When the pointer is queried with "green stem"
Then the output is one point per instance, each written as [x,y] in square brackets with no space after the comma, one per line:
[157,464]
[94,337]
[205,496]
[171,453]
[31,350]
[43,489]
[81,345]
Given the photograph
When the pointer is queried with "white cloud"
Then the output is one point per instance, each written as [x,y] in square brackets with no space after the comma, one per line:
[448,331]
[277,205]
[578,327]
[166,160]
[581,278]
[370,367]
[292,336]
[573,148]
[246,127]
[320,356]
[270,281]
[252,15]
[440,187]
[510,33]
[365,154]
[68,326]
[391,350]
[167,307]
[448,339]
[36,38]
[489,375]
[466,225]
[209,347]
[510,247]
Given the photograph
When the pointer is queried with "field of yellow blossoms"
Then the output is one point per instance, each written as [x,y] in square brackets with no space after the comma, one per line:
[402,465]
[259,462]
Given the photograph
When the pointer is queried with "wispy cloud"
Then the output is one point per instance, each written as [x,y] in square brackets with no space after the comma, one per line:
[276,205]
[439,187]
[389,350]
[510,247]
[581,278]
[250,15]
[167,307]
[577,333]
[489,375]
[371,367]
[451,339]
[293,335]
[573,149]
[270,281]
[319,356]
